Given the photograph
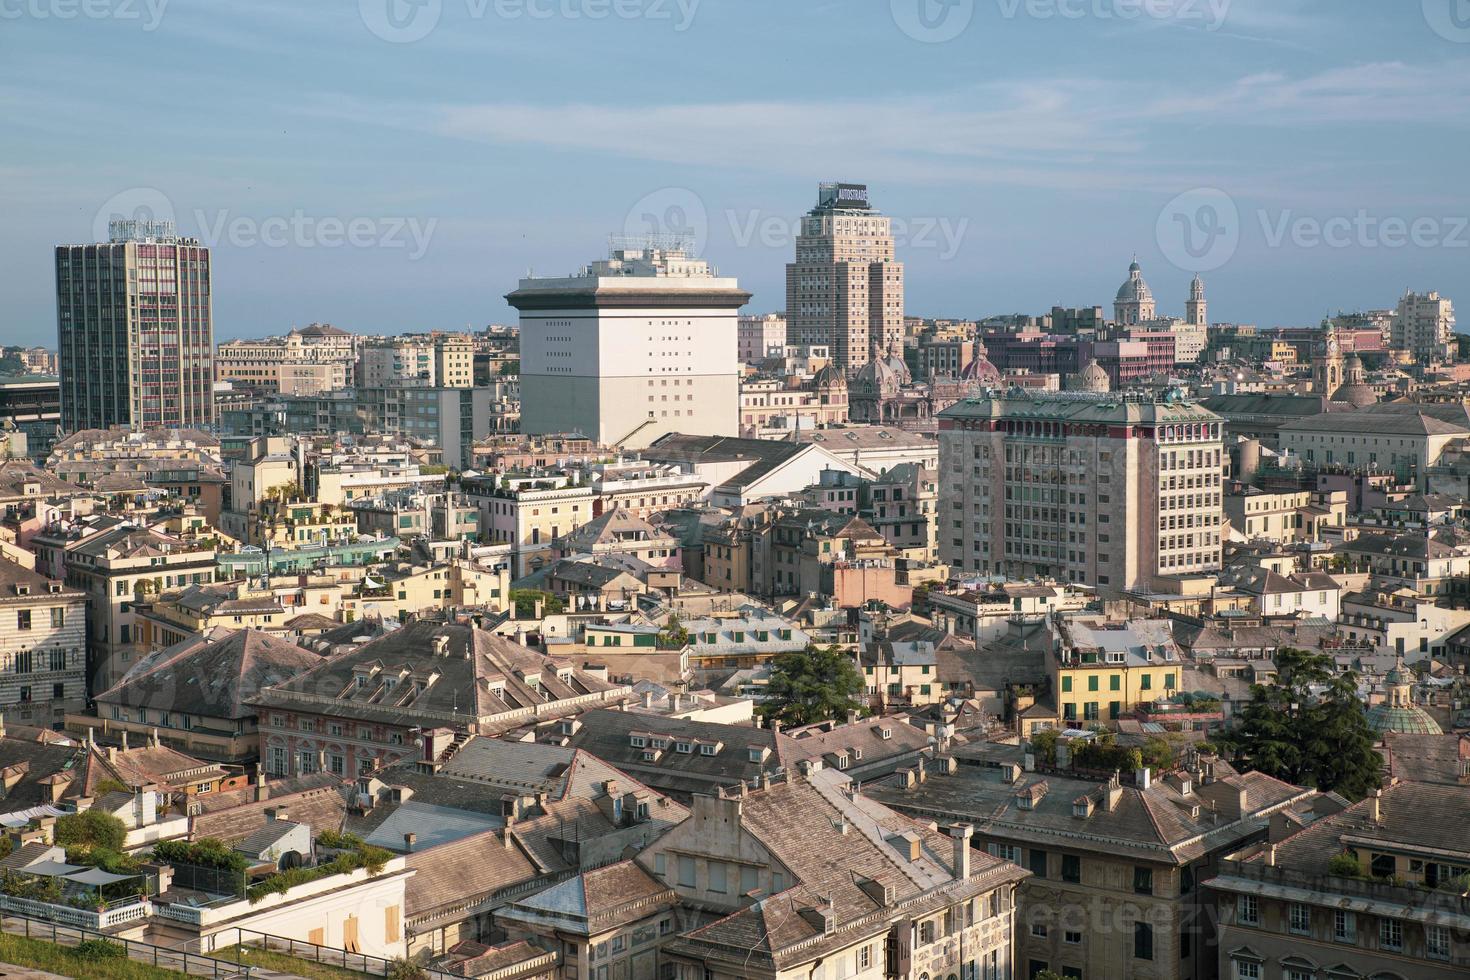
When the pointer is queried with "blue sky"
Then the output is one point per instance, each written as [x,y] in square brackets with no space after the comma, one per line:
[1313,150]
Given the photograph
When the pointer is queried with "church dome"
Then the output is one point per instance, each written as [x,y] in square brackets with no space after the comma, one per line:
[1399,713]
[879,376]
[981,370]
[829,377]
[1135,290]
[901,369]
[1411,720]
[1094,379]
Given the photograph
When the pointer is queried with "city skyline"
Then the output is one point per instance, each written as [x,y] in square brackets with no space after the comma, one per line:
[1027,188]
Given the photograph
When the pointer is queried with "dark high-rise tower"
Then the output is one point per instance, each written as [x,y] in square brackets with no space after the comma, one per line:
[135,328]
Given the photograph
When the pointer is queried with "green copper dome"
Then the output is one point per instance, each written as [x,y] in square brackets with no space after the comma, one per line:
[1411,720]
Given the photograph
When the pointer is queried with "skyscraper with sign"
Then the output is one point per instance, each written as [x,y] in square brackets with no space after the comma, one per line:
[845,288]
[135,326]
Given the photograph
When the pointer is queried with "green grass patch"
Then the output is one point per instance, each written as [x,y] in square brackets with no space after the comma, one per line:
[272,960]
[91,962]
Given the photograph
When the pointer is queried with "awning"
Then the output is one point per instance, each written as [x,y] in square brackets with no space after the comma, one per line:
[51,869]
[98,877]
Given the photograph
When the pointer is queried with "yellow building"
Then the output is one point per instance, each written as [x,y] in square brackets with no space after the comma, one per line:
[396,591]
[1102,669]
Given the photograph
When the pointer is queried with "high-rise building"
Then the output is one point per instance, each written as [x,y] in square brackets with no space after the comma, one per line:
[845,288]
[1424,327]
[631,348]
[135,322]
[1112,490]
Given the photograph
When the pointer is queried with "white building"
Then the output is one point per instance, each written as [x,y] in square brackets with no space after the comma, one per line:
[1424,326]
[631,348]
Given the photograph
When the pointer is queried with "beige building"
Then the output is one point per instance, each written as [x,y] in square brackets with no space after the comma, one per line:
[435,360]
[1284,516]
[1374,891]
[1112,490]
[1116,869]
[760,335]
[633,347]
[310,361]
[43,647]
[529,513]
[117,568]
[845,288]
[807,880]
[777,406]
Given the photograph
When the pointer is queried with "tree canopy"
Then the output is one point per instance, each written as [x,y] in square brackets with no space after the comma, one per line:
[1309,728]
[816,684]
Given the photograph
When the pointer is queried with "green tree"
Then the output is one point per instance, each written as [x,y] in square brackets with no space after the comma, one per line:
[673,636]
[1309,728]
[814,685]
[91,828]
[525,602]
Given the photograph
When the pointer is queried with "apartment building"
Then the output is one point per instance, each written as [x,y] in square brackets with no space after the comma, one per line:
[529,512]
[1112,490]
[435,361]
[1115,869]
[43,647]
[309,361]
[800,876]
[364,709]
[117,568]
[760,335]
[1285,516]
[1376,890]
[1103,669]
[1423,326]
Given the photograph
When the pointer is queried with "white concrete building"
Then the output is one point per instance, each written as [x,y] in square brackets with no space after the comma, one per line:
[1424,326]
[632,347]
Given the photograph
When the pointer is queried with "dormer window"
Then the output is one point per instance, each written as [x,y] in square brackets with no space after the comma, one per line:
[857,753]
[708,748]
[638,741]
[887,733]
[685,747]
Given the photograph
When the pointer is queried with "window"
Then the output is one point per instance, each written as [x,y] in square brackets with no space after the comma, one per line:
[1143,941]
[1391,934]
[1245,970]
[1143,881]
[58,617]
[686,871]
[1038,929]
[864,957]
[1036,862]
[1299,918]
[22,619]
[1071,868]
[1344,926]
[718,880]
[1247,910]
[1072,938]
[1008,852]
[1437,942]
[749,879]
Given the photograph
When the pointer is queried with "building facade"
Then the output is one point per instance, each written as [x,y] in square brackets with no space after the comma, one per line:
[135,324]
[635,346]
[1110,490]
[43,647]
[845,288]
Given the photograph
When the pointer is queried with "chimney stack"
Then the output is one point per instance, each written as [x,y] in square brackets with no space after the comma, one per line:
[125,740]
[852,716]
[1375,807]
[409,839]
[1143,778]
[961,832]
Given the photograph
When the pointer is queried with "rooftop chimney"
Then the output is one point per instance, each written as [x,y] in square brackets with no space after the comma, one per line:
[1143,778]
[409,839]
[1375,807]
[961,832]
[852,716]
